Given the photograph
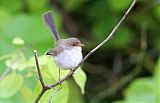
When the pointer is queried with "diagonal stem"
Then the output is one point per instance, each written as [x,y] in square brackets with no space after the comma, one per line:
[38,69]
[98,46]
[91,52]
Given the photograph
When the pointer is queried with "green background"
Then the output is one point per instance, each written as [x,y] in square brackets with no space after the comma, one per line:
[124,70]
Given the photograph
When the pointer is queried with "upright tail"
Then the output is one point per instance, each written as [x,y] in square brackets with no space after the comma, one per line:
[49,21]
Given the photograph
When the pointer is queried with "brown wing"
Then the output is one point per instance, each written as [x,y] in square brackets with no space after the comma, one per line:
[55,51]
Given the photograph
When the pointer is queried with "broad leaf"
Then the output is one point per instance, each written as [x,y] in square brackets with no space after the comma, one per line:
[60,96]
[80,78]
[10,85]
[17,98]
[42,61]
[18,62]
[142,90]
[18,41]
[27,94]
[74,93]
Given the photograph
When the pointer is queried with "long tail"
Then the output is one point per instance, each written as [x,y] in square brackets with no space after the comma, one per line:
[49,21]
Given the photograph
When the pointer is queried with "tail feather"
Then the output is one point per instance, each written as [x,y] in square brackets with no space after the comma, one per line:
[49,21]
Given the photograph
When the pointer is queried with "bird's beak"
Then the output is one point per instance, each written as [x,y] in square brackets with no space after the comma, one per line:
[48,53]
[80,44]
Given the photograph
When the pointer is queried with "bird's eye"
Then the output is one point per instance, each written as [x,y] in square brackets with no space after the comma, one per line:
[73,44]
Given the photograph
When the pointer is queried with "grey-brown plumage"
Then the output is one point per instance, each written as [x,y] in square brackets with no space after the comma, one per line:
[49,21]
[67,53]
[64,44]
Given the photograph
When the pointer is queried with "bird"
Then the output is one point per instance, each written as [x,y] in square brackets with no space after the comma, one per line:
[67,53]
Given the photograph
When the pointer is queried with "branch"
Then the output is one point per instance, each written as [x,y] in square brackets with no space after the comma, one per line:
[91,52]
[12,62]
[44,87]
[38,69]
[9,67]
[134,73]
[123,81]
[97,47]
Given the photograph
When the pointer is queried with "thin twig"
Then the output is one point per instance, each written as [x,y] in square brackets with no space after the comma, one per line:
[13,62]
[38,69]
[44,87]
[123,81]
[9,67]
[97,47]
[134,73]
[91,52]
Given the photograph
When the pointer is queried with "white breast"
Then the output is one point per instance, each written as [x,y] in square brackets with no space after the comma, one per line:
[69,59]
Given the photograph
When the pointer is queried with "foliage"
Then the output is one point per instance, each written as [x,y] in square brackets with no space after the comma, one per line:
[20,81]
[13,82]
[144,90]
[22,30]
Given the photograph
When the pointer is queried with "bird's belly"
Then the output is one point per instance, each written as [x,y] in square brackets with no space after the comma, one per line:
[68,59]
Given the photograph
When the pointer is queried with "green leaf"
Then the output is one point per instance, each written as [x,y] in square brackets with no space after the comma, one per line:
[80,78]
[10,85]
[42,61]
[19,63]
[27,94]
[17,98]
[60,96]
[18,41]
[3,67]
[31,78]
[31,29]
[74,92]
[142,90]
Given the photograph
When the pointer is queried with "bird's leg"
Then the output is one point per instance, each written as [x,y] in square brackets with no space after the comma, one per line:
[59,74]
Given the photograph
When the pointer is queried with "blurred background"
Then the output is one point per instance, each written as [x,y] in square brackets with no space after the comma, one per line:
[124,70]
